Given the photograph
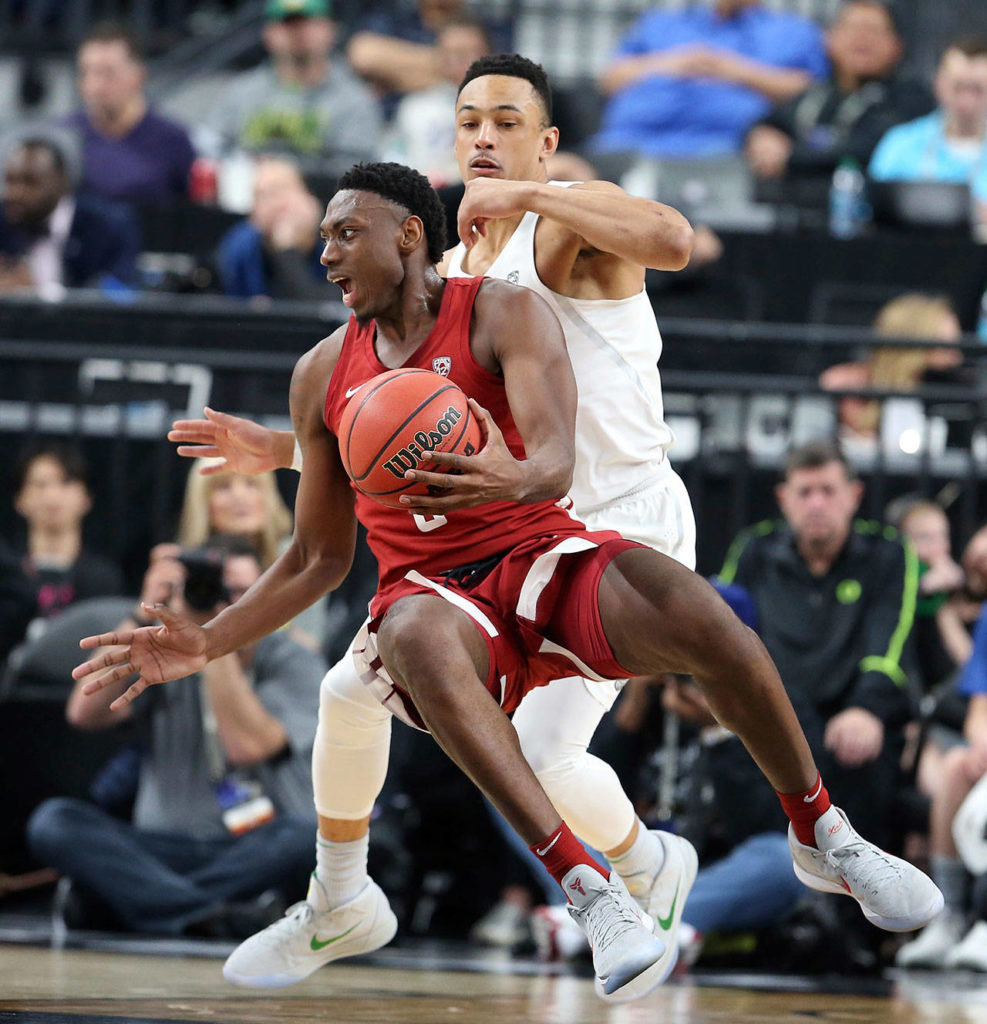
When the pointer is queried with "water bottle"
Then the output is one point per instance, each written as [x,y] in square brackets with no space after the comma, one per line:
[848,210]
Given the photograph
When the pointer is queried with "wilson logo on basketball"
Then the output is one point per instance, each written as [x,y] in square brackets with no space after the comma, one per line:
[416,451]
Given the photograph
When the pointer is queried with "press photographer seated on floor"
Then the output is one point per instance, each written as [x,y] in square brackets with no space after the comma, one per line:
[221,836]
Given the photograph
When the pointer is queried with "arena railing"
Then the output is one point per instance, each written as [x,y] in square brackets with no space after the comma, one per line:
[737,396]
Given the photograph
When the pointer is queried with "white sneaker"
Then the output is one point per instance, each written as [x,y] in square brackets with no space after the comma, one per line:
[626,952]
[306,938]
[971,953]
[931,947]
[556,935]
[892,893]
[664,898]
[504,926]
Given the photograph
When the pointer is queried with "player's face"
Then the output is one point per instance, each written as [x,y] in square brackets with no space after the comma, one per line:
[501,130]
[819,503]
[361,235]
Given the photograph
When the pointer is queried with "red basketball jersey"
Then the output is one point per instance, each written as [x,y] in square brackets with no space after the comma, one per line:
[434,544]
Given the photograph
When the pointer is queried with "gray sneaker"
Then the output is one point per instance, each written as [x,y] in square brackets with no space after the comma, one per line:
[626,952]
[305,938]
[892,893]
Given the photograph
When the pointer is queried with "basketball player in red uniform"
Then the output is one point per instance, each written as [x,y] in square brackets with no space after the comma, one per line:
[458,647]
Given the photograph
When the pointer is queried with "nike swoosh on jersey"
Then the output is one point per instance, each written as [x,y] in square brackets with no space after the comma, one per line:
[352,391]
[666,922]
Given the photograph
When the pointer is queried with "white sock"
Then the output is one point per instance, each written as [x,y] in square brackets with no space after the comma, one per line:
[340,871]
[639,866]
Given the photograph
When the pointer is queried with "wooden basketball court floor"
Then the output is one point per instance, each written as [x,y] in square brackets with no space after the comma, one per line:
[41,985]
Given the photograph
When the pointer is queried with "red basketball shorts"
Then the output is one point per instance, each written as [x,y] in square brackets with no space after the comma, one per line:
[537,611]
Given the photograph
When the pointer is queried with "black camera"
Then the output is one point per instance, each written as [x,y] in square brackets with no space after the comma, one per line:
[204,586]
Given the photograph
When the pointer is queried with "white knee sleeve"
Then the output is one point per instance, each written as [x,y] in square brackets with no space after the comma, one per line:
[555,724]
[352,742]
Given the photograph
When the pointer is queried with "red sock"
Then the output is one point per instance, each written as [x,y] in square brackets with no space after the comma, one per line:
[562,851]
[805,809]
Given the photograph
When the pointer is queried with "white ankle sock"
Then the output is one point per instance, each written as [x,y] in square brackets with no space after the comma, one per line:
[639,866]
[340,871]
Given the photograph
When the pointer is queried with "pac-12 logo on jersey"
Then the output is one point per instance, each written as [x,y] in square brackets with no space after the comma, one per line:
[442,365]
[513,277]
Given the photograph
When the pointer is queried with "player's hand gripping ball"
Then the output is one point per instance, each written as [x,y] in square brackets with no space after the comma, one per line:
[394,422]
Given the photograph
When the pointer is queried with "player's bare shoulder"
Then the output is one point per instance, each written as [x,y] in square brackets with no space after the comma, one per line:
[508,315]
[310,378]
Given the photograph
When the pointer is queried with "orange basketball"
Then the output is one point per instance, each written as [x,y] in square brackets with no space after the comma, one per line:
[392,424]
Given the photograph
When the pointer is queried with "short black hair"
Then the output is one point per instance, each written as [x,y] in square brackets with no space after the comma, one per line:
[969,45]
[58,155]
[114,32]
[407,188]
[513,65]
[886,5]
[816,454]
[72,461]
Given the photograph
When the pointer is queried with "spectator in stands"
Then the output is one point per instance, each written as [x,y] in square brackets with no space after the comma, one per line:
[397,48]
[301,102]
[835,600]
[844,116]
[226,753]
[54,569]
[130,153]
[942,943]
[691,82]
[895,368]
[275,252]
[52,238]
[949,144]
[422,133]
[223,502]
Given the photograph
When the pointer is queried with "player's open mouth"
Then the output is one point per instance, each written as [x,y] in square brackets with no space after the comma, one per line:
[346,285]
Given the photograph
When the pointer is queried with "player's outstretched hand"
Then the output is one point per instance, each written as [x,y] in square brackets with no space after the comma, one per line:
[244,446]
[175,649]
[488,199]
[492,474]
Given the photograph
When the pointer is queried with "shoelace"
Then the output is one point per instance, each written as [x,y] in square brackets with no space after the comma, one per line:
[874,873]
[611,919]
[297,913]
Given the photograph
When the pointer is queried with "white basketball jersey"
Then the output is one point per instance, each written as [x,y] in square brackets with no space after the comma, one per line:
[614,345]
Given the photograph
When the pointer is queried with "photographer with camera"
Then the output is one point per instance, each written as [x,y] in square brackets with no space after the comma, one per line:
[223,815]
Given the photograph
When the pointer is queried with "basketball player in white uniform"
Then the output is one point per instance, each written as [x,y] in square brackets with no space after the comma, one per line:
[584,249]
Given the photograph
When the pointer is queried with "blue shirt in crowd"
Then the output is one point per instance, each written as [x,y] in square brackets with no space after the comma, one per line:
[919,151]
[664,115]
[974,677]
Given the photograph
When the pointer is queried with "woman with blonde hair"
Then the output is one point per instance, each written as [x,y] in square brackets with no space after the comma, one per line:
[233,503]
[222,501]
[896,367]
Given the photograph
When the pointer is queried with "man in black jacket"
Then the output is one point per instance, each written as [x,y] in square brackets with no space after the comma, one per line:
[51,238]
[803,139]
[836,598]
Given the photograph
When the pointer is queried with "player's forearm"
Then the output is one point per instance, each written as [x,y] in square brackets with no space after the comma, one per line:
[295,581]
[641,231]
[248,732]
